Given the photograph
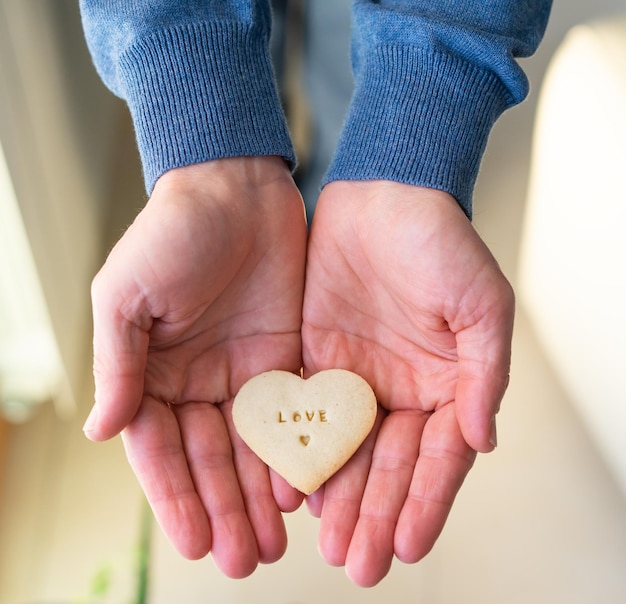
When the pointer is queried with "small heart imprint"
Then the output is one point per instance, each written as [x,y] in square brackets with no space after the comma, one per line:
[305,429]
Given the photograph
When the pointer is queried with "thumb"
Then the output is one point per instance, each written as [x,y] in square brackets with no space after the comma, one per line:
[477,402]
[484,365]
[120,348]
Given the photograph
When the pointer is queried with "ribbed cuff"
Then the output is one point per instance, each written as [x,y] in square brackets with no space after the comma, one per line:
[420,118]
[202,92]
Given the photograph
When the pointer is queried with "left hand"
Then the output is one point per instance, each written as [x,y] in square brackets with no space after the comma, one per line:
[401,290]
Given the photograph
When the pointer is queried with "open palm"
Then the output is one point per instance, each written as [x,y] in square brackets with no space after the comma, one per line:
[202,292]
[401,290]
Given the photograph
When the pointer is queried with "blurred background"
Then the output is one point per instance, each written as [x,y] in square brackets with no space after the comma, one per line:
[542,520]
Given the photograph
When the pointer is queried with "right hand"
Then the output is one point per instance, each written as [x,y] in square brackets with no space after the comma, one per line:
[201,293]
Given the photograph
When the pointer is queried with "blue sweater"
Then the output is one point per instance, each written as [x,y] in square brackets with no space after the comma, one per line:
[431,78]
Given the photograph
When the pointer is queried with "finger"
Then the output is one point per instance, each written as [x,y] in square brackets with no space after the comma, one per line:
[120,350]
[478,402]
[287,498]
[155,452]
[315,502]
[209,456]
[263,513]
[444,461]
[342,497]
[395,454]
[484,353]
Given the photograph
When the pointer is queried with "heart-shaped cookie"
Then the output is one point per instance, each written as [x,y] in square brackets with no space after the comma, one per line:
[305,429]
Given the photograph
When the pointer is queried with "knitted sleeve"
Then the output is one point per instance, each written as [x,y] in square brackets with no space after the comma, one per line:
[431,78]
[196,75]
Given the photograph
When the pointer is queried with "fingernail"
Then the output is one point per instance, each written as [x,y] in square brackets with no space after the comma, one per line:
[493,432]
[90,423]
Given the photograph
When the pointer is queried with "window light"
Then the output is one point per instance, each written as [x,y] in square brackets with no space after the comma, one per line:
[30,364]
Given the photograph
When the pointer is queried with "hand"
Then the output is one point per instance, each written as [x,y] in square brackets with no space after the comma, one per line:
[202,292]
[401,290]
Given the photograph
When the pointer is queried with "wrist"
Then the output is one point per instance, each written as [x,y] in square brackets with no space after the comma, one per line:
[251,171]
[244,191]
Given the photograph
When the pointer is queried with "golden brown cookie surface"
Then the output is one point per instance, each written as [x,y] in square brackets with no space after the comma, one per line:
[305,429]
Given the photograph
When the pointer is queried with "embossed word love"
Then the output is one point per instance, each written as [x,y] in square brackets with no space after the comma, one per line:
[305,429]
